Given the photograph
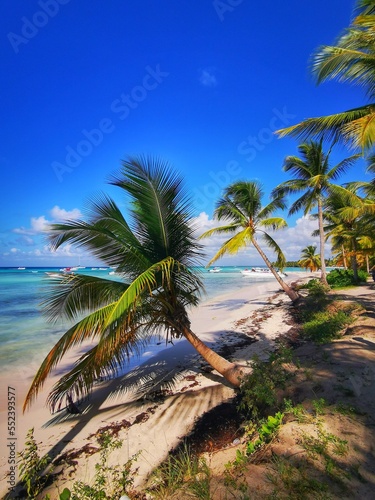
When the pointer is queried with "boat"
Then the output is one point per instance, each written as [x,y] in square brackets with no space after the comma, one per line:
[215,270]
[21,268]
[261,272]
[69,269]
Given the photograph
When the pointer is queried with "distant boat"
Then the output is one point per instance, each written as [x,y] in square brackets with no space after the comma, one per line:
[69,269]
[215,270]
[260,272]
[21,268]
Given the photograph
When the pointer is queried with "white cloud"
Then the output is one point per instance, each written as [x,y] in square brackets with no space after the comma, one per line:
[60,214]
[207,77]
[39,225]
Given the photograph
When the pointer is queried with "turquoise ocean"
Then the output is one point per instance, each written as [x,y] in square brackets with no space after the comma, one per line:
[26,336]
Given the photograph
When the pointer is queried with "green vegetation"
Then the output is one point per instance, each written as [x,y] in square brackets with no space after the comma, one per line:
[322,319]
[184,472]
[110,482]
[259,389]
[266,432]
[341,278]
[32,467]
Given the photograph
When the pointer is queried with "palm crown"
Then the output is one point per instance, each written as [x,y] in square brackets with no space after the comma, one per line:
[153,253]
[351,60]
[241,207]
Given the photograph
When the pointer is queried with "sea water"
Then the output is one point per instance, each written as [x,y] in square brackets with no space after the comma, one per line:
[25,334]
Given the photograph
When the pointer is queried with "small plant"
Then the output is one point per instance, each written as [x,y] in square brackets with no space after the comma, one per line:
[182,470]
[110,482]
[267,430]
[298,411]
[319,405]
[32,466]
[259,389]
[294,482]
[325,440]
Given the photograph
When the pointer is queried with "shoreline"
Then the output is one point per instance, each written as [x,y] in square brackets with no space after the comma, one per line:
[217,322]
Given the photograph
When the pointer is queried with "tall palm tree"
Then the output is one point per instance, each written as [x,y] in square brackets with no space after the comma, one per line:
[241,206]
[312,176]
[351,60]
[154,252]
[309,259]
[349,223]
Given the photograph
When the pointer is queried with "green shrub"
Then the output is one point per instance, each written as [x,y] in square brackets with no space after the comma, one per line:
[315,288]
[258,392]
[32,466]
[324,326]
[338,278]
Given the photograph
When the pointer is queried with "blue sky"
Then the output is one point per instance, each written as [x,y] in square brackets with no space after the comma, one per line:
[202,84]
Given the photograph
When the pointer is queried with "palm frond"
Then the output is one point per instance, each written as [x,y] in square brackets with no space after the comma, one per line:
[274,222]
[234,244]
[331,127]
[220,230]
[271,243]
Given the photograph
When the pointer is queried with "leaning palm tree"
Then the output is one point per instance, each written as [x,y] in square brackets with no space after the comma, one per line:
[241,207]
[154,252]
[351,60]
[309,259]
[312,176]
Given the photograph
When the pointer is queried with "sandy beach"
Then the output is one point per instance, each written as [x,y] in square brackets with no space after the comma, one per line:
[146,423]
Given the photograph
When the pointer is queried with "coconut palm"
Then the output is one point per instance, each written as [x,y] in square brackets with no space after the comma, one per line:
[154,252]
[351,60]
[349,223]
[241,207]
[312,176]
[309,259]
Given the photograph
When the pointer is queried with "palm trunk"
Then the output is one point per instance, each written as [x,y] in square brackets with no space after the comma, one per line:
[353,259]
[344,257]
[323,276]
[291,293]
[230,371]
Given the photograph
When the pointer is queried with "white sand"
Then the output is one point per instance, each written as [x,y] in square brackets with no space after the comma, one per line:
[215,321]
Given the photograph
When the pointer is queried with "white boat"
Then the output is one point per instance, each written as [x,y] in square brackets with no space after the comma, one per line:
[261,272]
[215,270]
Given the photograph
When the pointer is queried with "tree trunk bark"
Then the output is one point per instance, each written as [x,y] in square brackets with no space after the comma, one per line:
[344,257]
[353,259]
[323,276]
[230,371]
[291,293]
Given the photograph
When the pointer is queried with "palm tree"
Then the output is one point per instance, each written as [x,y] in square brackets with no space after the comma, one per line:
[351,60]
[313,176]
[154,253]
[241,207]
[309,259]
[349,223]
